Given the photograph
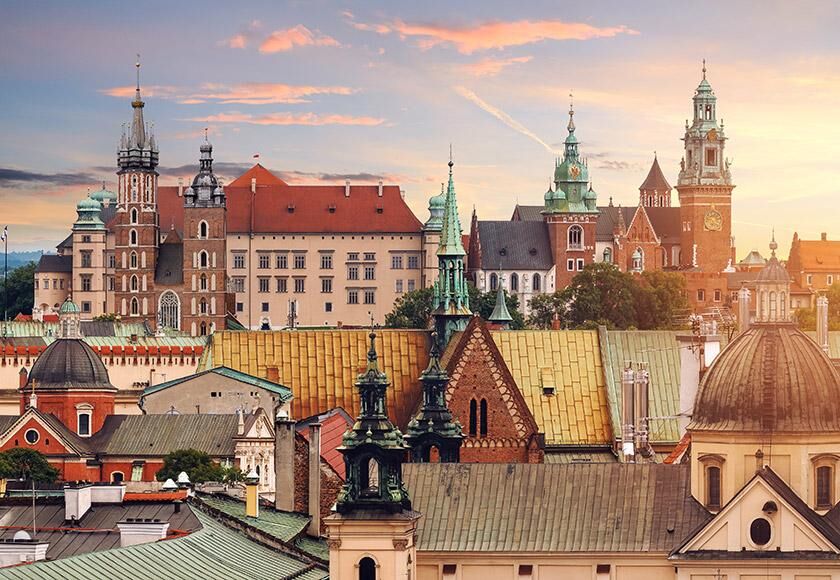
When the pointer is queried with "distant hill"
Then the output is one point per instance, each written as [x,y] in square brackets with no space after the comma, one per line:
[19,259]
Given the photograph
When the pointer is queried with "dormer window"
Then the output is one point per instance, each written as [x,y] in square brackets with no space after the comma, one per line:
[824,474]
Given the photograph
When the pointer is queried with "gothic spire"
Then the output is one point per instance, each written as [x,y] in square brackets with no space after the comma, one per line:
[138,149]
[450,238]
[138,126]
[501,314]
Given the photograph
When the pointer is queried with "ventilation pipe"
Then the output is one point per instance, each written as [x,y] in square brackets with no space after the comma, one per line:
[640,407]
[252,496]
[743,308]
[346,188]
[379,191]
[822,323]
[315,479]
[628,448]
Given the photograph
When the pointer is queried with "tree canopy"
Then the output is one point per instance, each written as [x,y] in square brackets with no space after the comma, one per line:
[198,466]
[806,318]
[26,464]
[21,285]
[414,309]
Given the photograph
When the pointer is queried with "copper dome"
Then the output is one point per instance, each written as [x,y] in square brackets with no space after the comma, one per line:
[69,363]
[770,378]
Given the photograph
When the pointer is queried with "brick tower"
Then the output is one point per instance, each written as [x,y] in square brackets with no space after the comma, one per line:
[203,306]
[137,229]
[705,188]
[571,212]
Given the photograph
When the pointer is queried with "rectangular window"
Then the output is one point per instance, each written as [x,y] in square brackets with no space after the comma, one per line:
[449,571]
[411,285]
[398,287]
[353,256]
[809,279]
[413,262]
[580,264]
[711,157]
[87,258]
[370,296]
[36,284]
[370,272]
[370,255]
[282,285]
[85,239]
[570,265]
[717,295]
[701,295]
[61,284]
[239,284]
[112,261]
[327,306]
[86,307]
[240,307]
[84,424]
[265,306]
[263,284]
[239,261]
[352,297]
[300,261]
[326,261]
[282,261]
[86,283]
[300,285]
[829,279]
[136,473]
[46,283]
[263,261]
[352,272]
[326,285]
[396,262]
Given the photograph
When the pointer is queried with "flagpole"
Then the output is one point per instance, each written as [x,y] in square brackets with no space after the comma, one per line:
[5,278]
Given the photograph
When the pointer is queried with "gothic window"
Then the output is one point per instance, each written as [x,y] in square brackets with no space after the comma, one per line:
[202,306]
[132,238]
[134,215]
[202,259]
[133,286]
[473,418]
[203,230]
[712,469]
[494,282]
[575,238]
[169,311]
[135,307]
[514,282]
[203,282]
[483,418]
[536,283]
[367,569]
[133,260]
[638,260]
[203,329]
[608,255]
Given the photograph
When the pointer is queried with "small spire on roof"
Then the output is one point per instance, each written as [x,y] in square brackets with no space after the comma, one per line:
[773,244]
[571,126]
[451,163]
[704,69]
[137,64]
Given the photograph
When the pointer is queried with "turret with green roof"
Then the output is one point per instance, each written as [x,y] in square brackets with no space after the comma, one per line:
[571,192]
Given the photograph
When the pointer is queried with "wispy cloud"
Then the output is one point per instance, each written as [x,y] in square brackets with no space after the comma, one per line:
[501,116]
[297,36]
[309,119]
[244,37]
[244,93]
[489,67]
[15,178]
[494,35]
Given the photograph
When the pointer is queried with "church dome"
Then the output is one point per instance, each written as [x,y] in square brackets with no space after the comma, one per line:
[69,363]
[773,271]
[69,307]
[102,194]
[88,204]
[771,378]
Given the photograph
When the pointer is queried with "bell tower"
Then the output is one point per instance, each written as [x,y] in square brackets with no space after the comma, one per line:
[705,187]
[137,229]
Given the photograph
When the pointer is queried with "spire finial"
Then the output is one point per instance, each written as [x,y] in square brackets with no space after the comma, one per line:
[206,140]
[704,69]
[773,244]
[137,65]
[571,126]
[654,154]
[103,185]
[372,351]
[451,163]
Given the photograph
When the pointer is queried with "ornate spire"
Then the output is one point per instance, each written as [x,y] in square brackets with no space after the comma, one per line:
[138,150]
[501,314]
[205,190]
[571,125]
[450,239]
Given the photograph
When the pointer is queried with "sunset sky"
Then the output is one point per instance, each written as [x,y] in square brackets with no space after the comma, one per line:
[323,90]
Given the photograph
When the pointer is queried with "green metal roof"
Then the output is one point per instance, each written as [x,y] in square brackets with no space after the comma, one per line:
[285,393]
[214,551]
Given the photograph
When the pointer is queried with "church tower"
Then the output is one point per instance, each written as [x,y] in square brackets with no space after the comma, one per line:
[373,533]
[204,237]
[137,232]
[451,306]
[571,212]
[705,188]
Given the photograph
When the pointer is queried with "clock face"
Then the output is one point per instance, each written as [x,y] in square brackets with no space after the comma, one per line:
[574,171]
[712,135]
[713,221]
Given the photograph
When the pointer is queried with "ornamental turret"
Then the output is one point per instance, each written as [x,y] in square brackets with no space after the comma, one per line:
[571,179]
[138,149]
[772,290]
[205,191]
[433,428]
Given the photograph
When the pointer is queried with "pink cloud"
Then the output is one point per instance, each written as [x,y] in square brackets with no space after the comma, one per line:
[492,66]
[237,41]
[244,93]
[127,92]
[498,35]
[300,35]
[308,119]
[244,37]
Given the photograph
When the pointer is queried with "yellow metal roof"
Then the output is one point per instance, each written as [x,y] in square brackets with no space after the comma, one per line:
[320,366]
[570,361]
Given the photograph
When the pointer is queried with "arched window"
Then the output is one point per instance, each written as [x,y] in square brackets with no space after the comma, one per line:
[782,306]
[135,307]
[134,215]
[169,311]
[514,282]
[494,282]
[473,418]
[133,286]
[202,306]
[132,238]
[117,477]
[608,255]
[825,481]
[773,312]
[202,229]
[483,409]
[202,259]
[83,415]
[367,569]
[202,282]
[536,283]
[132,260]
[575,238]
[638,260]
[713,487]
[203,329]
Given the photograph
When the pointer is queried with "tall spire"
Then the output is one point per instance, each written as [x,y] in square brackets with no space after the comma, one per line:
[138,150]
[450,239]
[571,125]
[138,126]
[501,314]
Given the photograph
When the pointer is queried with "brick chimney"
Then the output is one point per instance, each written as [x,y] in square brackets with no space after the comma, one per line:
[22,377]
[315,479]
[824,237]
[284,461]
[272,374]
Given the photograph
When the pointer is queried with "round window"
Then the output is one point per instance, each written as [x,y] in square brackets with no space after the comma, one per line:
[31,436]
[760,532]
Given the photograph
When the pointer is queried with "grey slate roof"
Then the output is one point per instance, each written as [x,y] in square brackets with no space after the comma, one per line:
[157,435]
[69,363]
[54,263]
[608,218]
[607,507]
[509,245]
[655,180]
[528,213]
[170,265]
[66,243]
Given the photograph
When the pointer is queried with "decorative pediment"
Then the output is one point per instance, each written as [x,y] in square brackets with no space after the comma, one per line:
[45,427]
[258,427]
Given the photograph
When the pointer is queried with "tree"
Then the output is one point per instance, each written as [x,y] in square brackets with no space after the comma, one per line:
[545,308]
[483,303]
[21,283]
[806,318]
[601,295]
[411,310]
[660,297]
[198,466]
[26,464]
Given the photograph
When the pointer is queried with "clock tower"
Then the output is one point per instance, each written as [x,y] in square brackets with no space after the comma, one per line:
[705,188]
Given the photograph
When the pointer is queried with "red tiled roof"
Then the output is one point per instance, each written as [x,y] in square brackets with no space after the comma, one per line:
[156,496]
[333,425]
[261,174]
[819,255]
[677,453]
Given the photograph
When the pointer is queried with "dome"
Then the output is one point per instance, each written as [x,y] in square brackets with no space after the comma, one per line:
[88,204]
[69,363]
[773,271]
[772,377]
[69,307]
[103,194]
[437,201]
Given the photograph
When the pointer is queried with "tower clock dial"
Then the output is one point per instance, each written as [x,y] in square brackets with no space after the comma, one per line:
[713,221]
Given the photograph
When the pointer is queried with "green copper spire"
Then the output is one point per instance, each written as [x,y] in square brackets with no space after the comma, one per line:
[571,179]
[501,314]
[451,295]
[373,448]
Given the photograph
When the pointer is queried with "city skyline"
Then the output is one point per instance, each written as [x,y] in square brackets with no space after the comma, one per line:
[325,91]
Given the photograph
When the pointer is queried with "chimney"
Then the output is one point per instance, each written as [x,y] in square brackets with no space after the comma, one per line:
[284,461]
[315,479]
[272,374]
[240,422]
[253,185]
[77,500]
[627,412]
[134,531]
[824,237]
[822,323]
[252,495]
[697,352]
[22,377]
[346,188]
[22,549]
[744,308]
[379,192]
[180,187]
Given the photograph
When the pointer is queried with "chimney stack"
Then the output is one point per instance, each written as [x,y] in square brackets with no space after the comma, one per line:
[697,352]
[744,308]
[134,531]
[640,406]
[272,374]
[379,192]
[180,187]
[22,549]
[22,377]
[252,495]
[76,501]
[253,185]
[346,188]
[822,323]
[284,461]
[240,422]
[315,479]
[628,448]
